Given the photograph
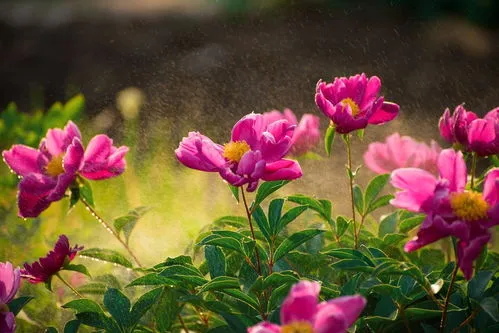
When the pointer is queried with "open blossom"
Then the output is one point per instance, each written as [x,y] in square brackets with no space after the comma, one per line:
[471,133]
[307,133]
[255,152]
[353,103]
[301,312]
[43,269]
[450,209]
[401,152]
[48,171]
[10,279]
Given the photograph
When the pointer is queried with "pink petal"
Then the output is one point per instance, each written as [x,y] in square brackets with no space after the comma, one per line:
[102,159]
[491,187]
[249,129]
[388,111]
[33,192]
[452,167]
[290,116]
[325,105]
[446,127]
[10,280]
[198,152]
[482,137]
[301,302]
[264,327]
[282,170]
[337,315]
[469,251]
[22,159]
[306,135]
[418,188]
[275,142]
[57,140]
[7,322]
[371,92]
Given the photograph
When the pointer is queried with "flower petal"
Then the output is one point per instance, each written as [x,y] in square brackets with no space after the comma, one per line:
[491,187]
[446,127]
[22,159]
[264,327]
[102,159]
[469,251]
[452,167]
[198,152]
[418,189]
[249,129]
[282,170]
[483,137]
[301,302]
[388,111]
[7,322]
[10,279]
[337,315]
[57,140]
[33,192]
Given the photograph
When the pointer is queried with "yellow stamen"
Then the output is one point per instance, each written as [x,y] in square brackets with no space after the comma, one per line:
[469,206]
[297,327]
[234,150]
[353,106]
[54,168]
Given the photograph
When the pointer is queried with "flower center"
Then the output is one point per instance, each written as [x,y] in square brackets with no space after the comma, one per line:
[54,168]
[353,106]
[297,327]
[469,206]
[234,150]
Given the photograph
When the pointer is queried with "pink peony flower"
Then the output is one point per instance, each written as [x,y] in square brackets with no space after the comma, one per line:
[451,210]
[10,280]
[48,171]
[301,312]
[401,152]
[255,152]
[43,269]
[471,133]
[307,133]
[353,103]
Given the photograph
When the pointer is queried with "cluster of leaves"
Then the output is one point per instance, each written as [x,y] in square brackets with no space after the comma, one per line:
[241,272]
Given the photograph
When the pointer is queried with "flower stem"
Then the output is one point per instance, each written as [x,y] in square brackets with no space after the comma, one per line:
[473,170]
[466,321]
[111,230]
[447,296]
[350,177]
[182,323]
[248,214]
[69,285]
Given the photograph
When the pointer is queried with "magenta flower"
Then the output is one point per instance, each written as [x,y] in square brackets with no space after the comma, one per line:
[353,103]
[43,269]
[450,209]
[10,280]
[255,152]
[47,172]
[401,152]
[307,133]
[301,312]
[471,133]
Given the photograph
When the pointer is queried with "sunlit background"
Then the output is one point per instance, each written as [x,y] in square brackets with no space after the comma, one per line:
[152,70]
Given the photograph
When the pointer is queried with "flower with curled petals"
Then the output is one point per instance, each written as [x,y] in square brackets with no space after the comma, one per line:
[10,280]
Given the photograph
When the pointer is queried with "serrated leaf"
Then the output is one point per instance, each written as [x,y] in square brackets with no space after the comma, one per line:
[118,306]
[267,189]
[107,255]
[220,283]
[83,305]
[294,241]
[216,261]
[16,305]
[143,304]
[329,139]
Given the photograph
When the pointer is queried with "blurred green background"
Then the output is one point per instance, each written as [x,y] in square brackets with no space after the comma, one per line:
[201,65]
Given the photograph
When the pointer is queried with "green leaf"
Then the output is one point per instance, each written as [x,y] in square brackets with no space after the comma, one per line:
[233,221]
[107,255]
[267,189]
[243,297]
[374,188]
[329,139]
[289,217]
[275,210]
[74,107]
[143,304]
[219,283]
[51,330]
[234,322]
[118,306]
[235,192]
[489,305]
[74,197]
[294,241]
[355,265]
[86,191]
[93,289]
[98,320]
[261,221]
[16,305]
[127,223]
[225,242]
[407,225]
[388,225]
[152,279]
[341,225]
[358,199]
[166,309]
[379,202]
[72,326]
[77,268]
[83,305]
[216,261]
[478,284]
[277,279]
[360,133]
[346,253]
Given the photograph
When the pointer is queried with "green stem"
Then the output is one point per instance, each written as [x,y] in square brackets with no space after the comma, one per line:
[350,177]
[443,320]
[248,214]
[182,323]
[69,285]
[466,321]
[111,230]
[473,169]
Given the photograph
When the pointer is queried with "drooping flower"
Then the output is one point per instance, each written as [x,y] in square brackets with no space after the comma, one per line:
[469,132]
[301,312]
[255,152]
[47,172]
[43,269]
[307,133]
[353,103]
[450,209]
[401,152]
[10,280]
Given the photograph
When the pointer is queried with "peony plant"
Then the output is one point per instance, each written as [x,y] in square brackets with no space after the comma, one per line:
[414,257]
